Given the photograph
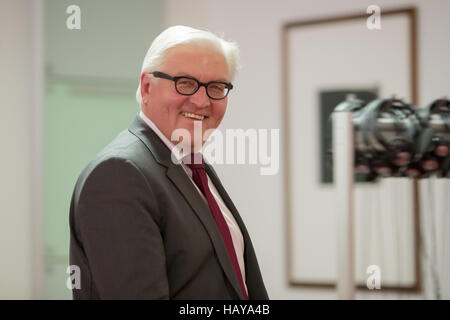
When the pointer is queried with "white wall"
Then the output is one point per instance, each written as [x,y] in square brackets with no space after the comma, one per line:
[256,25]
[15,135]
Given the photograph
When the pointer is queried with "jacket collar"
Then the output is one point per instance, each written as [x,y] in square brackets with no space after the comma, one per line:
[159,150]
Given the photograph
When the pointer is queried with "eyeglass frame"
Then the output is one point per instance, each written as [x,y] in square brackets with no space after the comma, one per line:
[159,74]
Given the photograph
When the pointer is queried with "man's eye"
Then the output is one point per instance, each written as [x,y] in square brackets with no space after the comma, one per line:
[186,83]
[217,87]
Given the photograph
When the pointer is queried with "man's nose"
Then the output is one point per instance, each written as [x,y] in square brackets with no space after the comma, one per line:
[200,98]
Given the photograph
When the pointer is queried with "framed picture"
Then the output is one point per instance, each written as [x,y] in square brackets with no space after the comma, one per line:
[324,61]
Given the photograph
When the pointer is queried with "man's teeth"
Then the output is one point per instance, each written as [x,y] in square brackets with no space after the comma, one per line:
[194,116]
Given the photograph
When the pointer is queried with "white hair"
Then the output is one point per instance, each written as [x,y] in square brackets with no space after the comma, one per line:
[177,35]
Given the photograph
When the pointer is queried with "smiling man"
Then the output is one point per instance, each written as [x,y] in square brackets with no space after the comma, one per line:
[143,226]
[180,100]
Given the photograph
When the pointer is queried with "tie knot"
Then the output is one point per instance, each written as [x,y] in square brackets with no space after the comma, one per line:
[194,161]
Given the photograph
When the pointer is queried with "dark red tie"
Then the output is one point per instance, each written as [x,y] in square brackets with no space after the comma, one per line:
[195,162]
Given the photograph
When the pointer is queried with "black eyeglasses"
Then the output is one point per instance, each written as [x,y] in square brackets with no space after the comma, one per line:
[187,86]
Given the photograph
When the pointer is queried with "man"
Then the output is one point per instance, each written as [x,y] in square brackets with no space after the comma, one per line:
[144,226]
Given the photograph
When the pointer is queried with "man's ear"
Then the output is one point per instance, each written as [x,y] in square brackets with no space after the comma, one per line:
[145,84]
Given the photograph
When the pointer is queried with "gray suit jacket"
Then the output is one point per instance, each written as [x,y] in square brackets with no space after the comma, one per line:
[139,229]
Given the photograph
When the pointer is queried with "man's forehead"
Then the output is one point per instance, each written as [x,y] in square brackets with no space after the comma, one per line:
[194,60]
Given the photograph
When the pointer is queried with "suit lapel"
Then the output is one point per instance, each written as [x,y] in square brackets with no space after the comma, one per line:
[253,274]
[226,198]
[181,180]
[190,193]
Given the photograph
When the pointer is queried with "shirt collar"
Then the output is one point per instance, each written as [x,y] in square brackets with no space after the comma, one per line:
[176,151]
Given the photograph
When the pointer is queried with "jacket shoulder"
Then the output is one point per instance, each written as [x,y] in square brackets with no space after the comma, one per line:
[124,151]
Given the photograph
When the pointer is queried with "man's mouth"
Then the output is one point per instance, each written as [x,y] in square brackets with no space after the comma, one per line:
[193,116]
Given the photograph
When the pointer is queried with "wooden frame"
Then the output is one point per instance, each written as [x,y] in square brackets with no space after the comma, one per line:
[410,13]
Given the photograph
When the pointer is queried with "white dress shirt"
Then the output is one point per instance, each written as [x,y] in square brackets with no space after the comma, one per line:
[236,235]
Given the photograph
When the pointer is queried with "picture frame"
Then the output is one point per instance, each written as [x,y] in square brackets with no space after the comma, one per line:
[342,55]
